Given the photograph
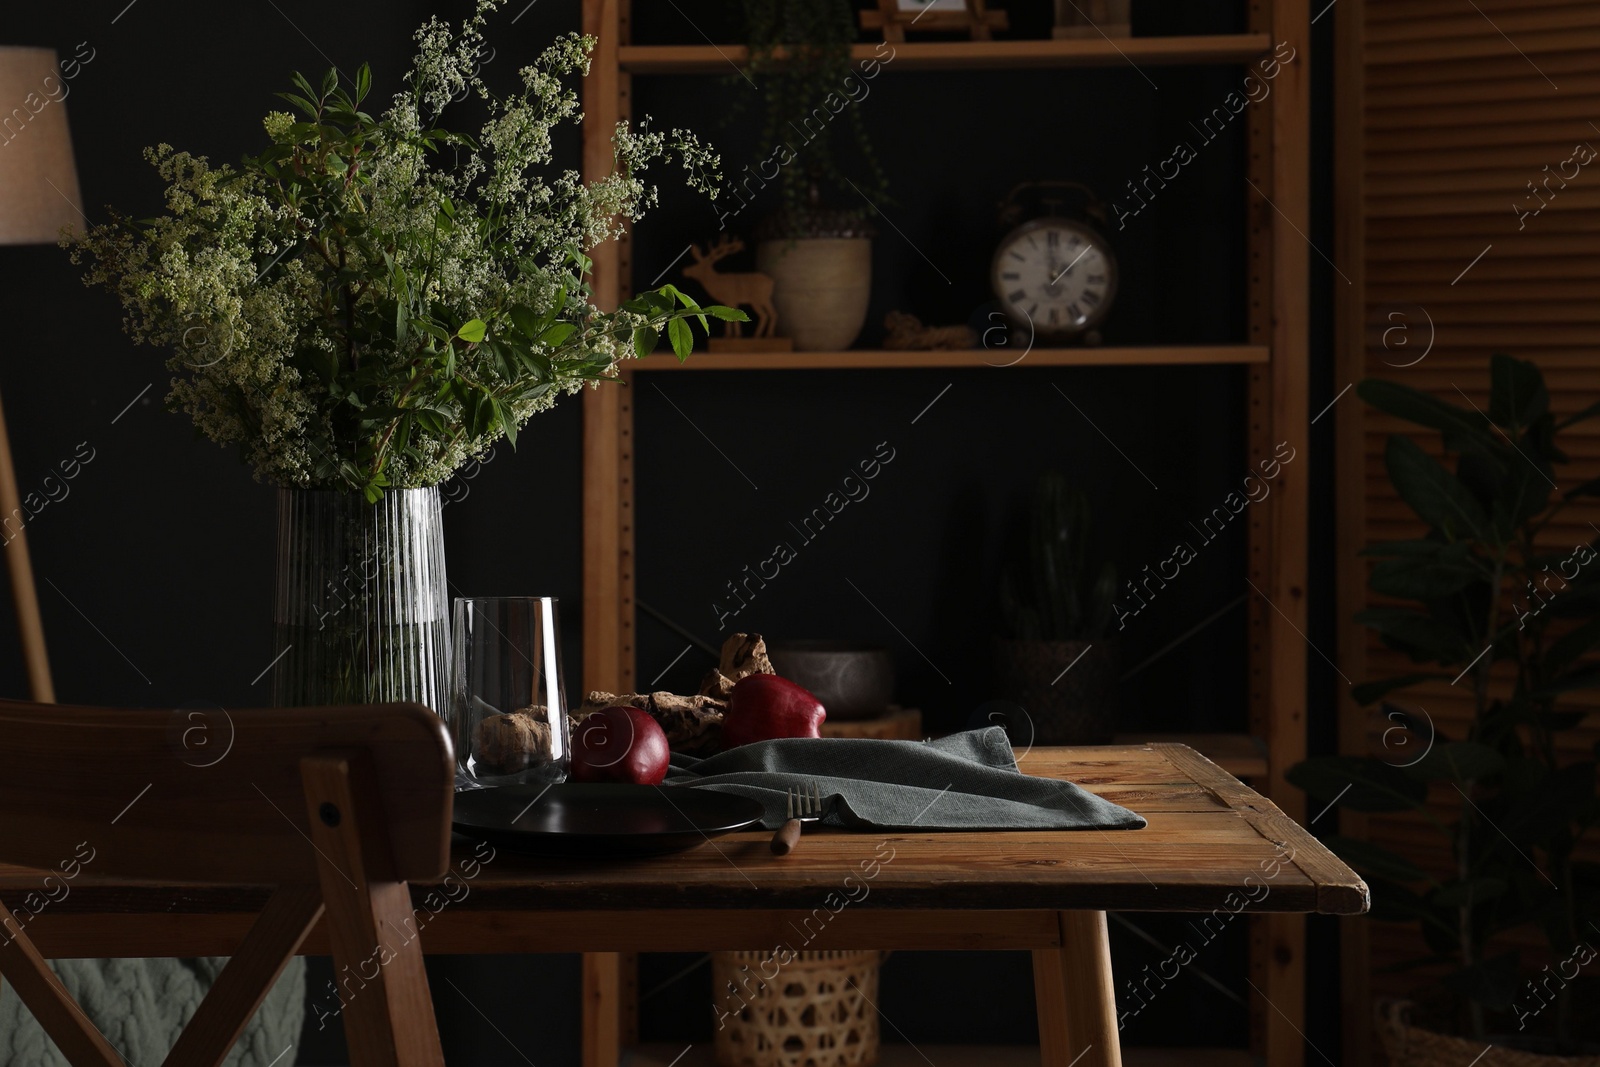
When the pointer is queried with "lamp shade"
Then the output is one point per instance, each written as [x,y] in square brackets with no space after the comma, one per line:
[38,182]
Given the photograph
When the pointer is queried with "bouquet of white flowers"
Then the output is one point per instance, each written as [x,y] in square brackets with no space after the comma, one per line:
[373,302]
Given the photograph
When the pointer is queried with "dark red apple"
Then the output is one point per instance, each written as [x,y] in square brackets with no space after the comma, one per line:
[619,744]
[764,706]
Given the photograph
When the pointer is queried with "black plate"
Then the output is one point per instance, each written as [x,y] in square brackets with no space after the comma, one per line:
[575,819]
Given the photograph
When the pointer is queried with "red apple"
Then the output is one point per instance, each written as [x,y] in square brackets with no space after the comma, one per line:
[765,706]
[619,744]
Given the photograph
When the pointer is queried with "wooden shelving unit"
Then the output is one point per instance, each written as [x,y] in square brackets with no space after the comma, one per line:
[1275,351]
[878,359]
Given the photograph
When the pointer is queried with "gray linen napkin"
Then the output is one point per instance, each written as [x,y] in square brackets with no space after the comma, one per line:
[967,781]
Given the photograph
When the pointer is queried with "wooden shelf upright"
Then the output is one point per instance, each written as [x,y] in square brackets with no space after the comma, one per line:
[1277,200]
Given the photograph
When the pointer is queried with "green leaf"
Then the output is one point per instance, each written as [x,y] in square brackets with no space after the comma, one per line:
[433,329]
[1371,692]
[300,102]
[1436,495]
[1422,637]
[644,340]
[508,422]
[1461,428]
[1580,416]
[1450,569]
[473,330]
[557,335]
[1458,761]
[1517,396]
[726,314]
[682,340]
[688,302]
[1366,857]
[526,321]
[1358,782]
[363,81]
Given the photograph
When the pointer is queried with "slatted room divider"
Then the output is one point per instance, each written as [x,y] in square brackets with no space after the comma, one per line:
[1466,226]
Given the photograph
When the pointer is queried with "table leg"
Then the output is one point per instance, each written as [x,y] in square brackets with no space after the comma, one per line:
[602,1009]
[1076,1001]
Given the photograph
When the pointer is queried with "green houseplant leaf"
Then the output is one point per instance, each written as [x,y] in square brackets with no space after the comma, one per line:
[1437,496]
[1359,783]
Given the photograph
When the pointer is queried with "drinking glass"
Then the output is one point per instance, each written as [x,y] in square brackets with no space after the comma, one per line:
[508,712]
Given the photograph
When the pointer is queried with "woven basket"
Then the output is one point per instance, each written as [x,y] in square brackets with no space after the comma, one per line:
[1412,1046]
[818,1010]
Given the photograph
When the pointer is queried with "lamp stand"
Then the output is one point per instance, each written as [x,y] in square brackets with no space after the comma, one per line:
[23,593]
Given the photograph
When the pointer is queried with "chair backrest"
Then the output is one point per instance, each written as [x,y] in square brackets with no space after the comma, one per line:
[211,796]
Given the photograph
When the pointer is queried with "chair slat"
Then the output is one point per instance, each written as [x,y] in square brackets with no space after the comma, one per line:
[377,956]
[58,1014]
[248,977]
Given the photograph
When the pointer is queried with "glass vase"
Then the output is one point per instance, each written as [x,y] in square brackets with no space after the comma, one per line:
[362,609]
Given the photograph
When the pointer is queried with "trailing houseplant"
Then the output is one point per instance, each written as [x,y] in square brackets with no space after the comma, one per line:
[375,300]
[1056,608]
[814,237]
[1490,601]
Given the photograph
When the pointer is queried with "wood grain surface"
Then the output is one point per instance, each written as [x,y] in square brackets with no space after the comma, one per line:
[1212,843]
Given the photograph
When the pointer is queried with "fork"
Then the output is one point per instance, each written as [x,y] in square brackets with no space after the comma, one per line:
[805,805]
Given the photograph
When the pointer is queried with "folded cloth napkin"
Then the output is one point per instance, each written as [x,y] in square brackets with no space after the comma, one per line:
[967,781]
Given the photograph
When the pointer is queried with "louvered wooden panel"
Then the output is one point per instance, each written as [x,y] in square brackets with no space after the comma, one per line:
[1446,112]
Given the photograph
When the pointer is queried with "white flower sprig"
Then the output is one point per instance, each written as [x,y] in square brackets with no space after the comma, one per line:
[373,302]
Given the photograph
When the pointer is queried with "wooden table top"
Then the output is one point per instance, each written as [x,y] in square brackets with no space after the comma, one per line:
[1212,842]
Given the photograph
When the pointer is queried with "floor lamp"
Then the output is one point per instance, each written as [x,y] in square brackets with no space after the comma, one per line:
[38,196]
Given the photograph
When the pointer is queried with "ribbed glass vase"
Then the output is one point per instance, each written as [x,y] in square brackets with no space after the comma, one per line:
[362,606]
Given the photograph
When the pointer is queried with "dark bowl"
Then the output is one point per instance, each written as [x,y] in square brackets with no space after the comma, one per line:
[852,681]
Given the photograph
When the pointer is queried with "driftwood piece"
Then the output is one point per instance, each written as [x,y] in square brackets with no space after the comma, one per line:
[905,332]
[506,744]
[742,655]
[693,724]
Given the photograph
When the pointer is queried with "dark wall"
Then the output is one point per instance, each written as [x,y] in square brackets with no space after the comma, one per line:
[155,573]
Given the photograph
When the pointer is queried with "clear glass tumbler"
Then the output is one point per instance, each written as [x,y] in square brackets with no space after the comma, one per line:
[508,710]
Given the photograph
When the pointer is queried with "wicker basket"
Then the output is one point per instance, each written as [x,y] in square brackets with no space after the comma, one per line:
[818,1010]
[1412,1046]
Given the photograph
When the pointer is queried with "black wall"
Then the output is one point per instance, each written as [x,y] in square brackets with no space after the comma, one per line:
[155,572]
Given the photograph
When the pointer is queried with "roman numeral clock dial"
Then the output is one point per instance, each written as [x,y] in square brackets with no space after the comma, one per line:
[1055,277]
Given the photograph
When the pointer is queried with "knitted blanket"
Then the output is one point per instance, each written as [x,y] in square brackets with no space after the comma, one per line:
[142,1005]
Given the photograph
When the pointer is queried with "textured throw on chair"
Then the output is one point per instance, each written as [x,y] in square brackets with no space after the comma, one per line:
[142,1005]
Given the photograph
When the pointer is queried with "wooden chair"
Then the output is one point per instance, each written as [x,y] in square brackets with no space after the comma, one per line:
[337,808]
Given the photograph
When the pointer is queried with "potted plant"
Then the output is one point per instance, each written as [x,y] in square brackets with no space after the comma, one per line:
[1055,659]
[373,302]
[1493,602]
[817,244]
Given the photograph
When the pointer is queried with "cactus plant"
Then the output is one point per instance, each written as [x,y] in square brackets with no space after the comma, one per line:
[1050,593]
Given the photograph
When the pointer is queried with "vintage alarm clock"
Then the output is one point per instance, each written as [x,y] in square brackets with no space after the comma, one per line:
[1054,273]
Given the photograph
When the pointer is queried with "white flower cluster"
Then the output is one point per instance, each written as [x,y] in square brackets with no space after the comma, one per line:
[374,302]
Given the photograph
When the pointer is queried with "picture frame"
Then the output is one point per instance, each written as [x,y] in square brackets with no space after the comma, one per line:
[895,17]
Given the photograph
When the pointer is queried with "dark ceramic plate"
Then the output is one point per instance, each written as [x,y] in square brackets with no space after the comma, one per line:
[574,819]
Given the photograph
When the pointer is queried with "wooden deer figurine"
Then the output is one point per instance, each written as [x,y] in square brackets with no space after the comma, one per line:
[751,289]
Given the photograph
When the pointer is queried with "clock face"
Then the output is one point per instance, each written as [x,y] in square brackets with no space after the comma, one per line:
[1058,275]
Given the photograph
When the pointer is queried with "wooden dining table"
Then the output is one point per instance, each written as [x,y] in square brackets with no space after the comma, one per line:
[1212,846]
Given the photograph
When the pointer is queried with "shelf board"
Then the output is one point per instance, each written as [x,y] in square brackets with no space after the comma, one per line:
[1240,755]
[878,359]
[977,55]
